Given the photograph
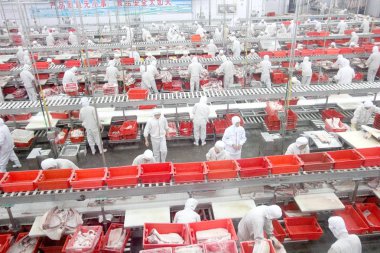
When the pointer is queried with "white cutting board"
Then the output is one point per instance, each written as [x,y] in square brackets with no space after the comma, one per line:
[318,202]
[137,217]
[232,209]
[356,139]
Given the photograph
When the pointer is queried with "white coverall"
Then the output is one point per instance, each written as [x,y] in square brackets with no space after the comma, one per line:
[363,115]
[152,72]
[28,79]
[112,73]
[145,82]
[27,59]
[217,152]
[201,112]
[266,66]
[354,39]
[20,55]
[345,242]
[228,69]
[1,95]
[217,35]
[365,26]
[73,39]
[50,40]
[342,26]
[6,148]
[135,55]
[345,74]
[339,62]
[51,163]
[295,148]
[292,28]
[373,64]
[318,26]
[194,69]
[232,136]
[188,215]
[157,129]
[211,48]
[147,157]
[236,49]
[307,71]
[69,76]
[200,31]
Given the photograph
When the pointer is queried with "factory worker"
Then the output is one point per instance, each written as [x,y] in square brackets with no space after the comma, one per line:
[221,53]
[257,221]
[218,152]
[217,34]
[301,146]
[262,25]
[50,62]
[365,25]
[27,59]
[157,127]
[145,79]
[228,69]
[339,62]
[345,242]
[170,34]
[253,53]
[153,72]
[149,57]
[282,29]
[52,164]
[345,74]
[144,33]
[201,112]
[87,115]
[123,40]
[373,64]
[50,40]
[20,55]
[147,157]
[234,138]
[354,39]
[363,114]
[211,48]
[44,30]
[307,71]
[28,80]
[73,39]
[292,28]
[134,54]
[186,56]
[342,26]
[295,81]
[266,67]
[236,49]
[200,31]
[332,45]
[188,214]
[70,76]
[6,148]
[317,26]
[35,44]
[112,73]
[271,29]
[194,69]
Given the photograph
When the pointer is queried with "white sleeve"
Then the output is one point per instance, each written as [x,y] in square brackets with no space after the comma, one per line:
[147,128]
[243,138]
[357,113]
[227,137]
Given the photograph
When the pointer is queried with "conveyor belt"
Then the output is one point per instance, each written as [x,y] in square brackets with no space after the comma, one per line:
[121,101]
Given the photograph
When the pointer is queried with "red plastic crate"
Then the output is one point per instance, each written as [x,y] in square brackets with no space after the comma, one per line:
[281,53]
[332,51]
[24,144]
[331,113]
[59,115]
[147,107]
[22,235]
[189,172]
[354,223]
[20,117]
[72,63]
[55,179]
[114,133]
[127,61]
[156,172]
[346,159]
[20,181]
[195,38]
[41,65]
[185,128]
[123,176]
[371,156]
[5,241]
[221,170]
[342,127]
[220,125]
[346,50]
[253,167]
[106,237]
[211,224]
[68,248]
[316,161]
[247,247]
[358,50]
[319,51]
[52,246]
[220,247]
[370,213]
[285,164]
[165,228]
[7,66]
[292,101]
[307,52]
[137,93]
[91,62]
[278,231]
[210,128]
[89,178]
[263,53]
[303,228]
[77,139]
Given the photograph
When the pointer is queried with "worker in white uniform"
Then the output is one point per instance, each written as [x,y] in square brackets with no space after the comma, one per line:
[90,42]
[134,54]
[345,74]
[345,242]
[146,157]
[194,70]
[112,74]
[373,64]
[157,128]
[188,214]
[363,114]
[35,44]
[44,30]
[253,53]
[150,58]
[217,152]
[236,48]
[145,82]
[292,28]
[201,112]
[342,26]
[295,81]
[200,31]
[52,164]
[354,41]
[333,45]
[365,25]
[28,80]
[6,148]
[211,48]
[301,146]
[50,40]
[217,34]
[87,115]
[73,39]
[306,69]
[257,221]
[266,67]
[282,29]
[27,59]
[339,62]
[152,73]
[317,26]
[50,61]
[186,56]
[221,53]
[70,76]
[228,69]
[234,138]
[20,55]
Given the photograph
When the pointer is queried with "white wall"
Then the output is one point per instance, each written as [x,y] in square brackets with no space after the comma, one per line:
[373,8]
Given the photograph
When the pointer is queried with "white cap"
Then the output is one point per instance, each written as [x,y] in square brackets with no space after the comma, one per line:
[266,57]
[253,50]
[74,69]
[273,212]
[49,163]
[294,79]
[84,101]
[49,60]
[220,145]
[235,120]
[368,104]
[337,226]
[148,154]
[156,112]
[191,204]
[203,100]
[302,141]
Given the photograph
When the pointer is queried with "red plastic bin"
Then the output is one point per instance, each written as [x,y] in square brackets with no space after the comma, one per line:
[254,167]
[129,127]
[20,181]
[285,164]
[195,38]
[77,139]
[72,63]
[370,213]
[22,235]
[247,247]
[98,230]
[211,224]
[59,115]
[156,173]
[127,61]
[354,223]
[114,133]
[331,113]
[220,125]
[371,156]
[123,176]
[41,65]
[62,141]
[221,170]
[20,117]
[189,172]
[278,231]
[332,51]
[221,247]
[52,246]
[303,228]
[346,159]
[137,93]
[7,66]
[165,228]
[106,237]
[185,128]
[91,62]
[316,161]
[5,242]
[89,178]
[55,179]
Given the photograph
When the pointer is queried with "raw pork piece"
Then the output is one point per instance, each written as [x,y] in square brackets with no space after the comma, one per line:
[261,246]
[172,238]
[216,234]
[189,249]
[116,238]
[25,245]
[220,247]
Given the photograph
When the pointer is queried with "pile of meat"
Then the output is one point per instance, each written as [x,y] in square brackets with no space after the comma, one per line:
[157,238]
[77,133]
[25,245]
[172,131]
[19,93]
[116,239]
[213,84]
[159,250]
[110,89]
[261,246]
[129,80]
[166,76]
[189,249]
[336,124]
[220,247]
[239,72]
[217,234]
[70,87]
